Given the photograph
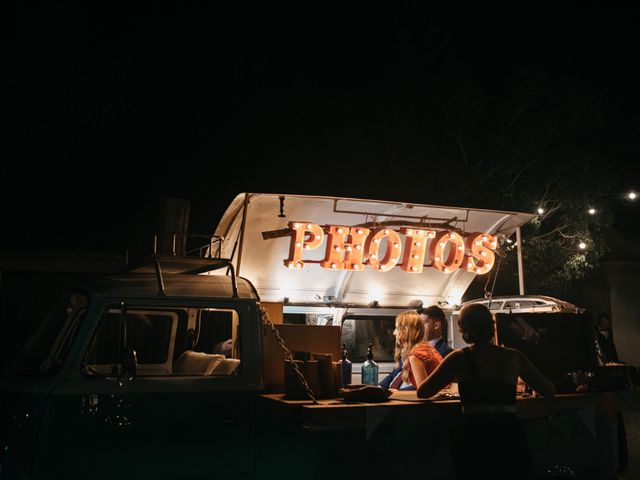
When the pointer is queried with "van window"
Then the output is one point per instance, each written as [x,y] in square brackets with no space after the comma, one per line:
[48,349]
[308,318]
[358,331]
[167,341]
[148,332]
[519,304]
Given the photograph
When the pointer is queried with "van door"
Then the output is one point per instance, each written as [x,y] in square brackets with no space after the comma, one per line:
[197,419]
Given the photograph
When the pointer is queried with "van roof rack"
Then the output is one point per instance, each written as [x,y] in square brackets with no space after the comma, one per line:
[177,264]
[182,265]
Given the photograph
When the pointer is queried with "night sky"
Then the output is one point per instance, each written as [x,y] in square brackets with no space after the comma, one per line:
[108,110]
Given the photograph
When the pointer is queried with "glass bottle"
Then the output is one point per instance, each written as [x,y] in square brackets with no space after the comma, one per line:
[346,366]
[370,368]
[601,359]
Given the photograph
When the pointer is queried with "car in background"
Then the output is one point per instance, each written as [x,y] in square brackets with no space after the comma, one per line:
[510,304]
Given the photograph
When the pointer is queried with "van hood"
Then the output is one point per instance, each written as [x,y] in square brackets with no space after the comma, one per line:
[259,253]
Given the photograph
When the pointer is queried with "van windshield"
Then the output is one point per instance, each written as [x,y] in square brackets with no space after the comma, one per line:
[48,348]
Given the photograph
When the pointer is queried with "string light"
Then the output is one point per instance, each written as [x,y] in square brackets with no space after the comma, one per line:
[591,210]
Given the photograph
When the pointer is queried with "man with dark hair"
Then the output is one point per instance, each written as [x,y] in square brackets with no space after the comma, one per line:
[604,335]
[436,329]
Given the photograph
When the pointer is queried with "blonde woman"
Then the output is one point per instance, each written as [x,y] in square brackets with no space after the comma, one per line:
[417,357]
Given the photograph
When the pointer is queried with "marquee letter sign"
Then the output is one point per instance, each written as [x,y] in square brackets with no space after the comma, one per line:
[351,248]
[482,257]
[337,246]
[299,241]
[392,250]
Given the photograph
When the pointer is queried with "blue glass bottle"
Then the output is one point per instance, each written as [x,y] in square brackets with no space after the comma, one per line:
[370,368]
[346,366]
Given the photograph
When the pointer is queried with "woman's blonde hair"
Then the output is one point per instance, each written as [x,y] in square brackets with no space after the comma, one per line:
[410,332]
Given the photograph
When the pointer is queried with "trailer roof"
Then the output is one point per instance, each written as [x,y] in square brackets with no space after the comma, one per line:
[259,254]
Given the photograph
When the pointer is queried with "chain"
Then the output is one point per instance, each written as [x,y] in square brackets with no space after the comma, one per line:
[267,322]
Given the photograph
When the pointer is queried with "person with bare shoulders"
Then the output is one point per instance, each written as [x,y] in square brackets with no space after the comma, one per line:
[492,442]
[415,355]
[434,334]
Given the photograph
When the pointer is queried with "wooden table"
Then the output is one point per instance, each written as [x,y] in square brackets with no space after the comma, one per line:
[576,431]
[337,414]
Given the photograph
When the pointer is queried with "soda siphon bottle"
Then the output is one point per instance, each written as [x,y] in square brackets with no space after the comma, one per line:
[346,366]
[370,368]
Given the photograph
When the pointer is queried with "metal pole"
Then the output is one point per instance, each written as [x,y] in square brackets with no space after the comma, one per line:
[520,272]
[242,227]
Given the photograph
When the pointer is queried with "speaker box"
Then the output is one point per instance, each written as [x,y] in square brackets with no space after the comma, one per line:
[608,378]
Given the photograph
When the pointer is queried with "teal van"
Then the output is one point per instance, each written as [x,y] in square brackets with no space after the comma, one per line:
[137,376]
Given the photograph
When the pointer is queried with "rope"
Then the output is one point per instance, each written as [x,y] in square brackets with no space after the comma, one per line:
[267,322]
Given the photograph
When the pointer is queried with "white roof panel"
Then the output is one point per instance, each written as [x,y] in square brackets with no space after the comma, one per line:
[259,255]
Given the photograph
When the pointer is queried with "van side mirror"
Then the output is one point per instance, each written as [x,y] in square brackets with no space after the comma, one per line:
[129,364]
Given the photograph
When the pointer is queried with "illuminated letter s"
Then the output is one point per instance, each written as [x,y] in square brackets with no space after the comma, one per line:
[481,246]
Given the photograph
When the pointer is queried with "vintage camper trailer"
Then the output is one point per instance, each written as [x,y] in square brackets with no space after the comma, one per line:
[346,271]
[171,370]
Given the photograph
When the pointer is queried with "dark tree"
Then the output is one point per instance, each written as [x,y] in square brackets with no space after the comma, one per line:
[529,139]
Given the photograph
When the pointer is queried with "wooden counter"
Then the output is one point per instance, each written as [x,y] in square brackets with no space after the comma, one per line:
[337,414]
[576,432]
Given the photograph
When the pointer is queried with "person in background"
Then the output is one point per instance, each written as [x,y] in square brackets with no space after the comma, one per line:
[492,442]
[609,354]
[436,329]
[435,334]
[417,356]
[604,336]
